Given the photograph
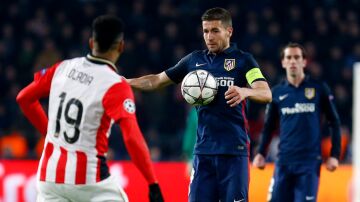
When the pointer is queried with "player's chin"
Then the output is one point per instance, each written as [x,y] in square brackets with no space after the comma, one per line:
[213,48]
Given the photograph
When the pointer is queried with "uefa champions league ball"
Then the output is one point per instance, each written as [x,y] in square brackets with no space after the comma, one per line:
[199,87]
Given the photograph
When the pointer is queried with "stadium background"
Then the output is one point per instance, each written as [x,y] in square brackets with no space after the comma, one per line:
[36,34]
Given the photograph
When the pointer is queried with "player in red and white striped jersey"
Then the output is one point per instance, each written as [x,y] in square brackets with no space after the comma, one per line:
[86,96]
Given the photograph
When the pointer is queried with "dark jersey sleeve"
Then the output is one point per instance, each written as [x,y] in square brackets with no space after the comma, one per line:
[271,120]
[252,70]
[179,71]
[332,117]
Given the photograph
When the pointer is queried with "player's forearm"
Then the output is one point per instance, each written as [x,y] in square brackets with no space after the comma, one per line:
[35,114]
[265,141]
[147,83]
[260,94]
[139,154]
[270,125]
[335,140]
[32,109]
[150,82]
[137,149]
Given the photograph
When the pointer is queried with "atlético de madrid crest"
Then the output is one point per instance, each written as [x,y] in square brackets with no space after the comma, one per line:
[229,64]
[309,93]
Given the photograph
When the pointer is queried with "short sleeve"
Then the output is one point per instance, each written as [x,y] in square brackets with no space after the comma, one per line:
[252,70]
[179,71]
[119,102]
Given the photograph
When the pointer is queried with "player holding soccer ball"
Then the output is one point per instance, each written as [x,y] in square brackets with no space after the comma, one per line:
[86,96]
[220,168]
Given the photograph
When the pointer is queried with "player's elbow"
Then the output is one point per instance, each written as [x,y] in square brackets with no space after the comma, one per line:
[268,96]
[21,98]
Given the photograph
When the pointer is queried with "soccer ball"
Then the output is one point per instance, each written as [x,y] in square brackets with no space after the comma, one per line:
[199,87]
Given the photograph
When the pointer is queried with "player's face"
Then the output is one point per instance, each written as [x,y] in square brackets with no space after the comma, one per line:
[293,61]
[216,36]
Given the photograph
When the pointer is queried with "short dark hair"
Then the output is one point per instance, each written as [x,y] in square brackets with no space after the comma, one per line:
[218,14]
[293,45]
[106,30]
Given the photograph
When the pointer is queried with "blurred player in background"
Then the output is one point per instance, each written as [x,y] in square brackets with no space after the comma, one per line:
[221,160]
[190,138]
[86,97]
[298,103]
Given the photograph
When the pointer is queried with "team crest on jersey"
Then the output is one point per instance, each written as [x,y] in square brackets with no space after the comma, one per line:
[309,93]
[43,71]
[229,64]
[129,106]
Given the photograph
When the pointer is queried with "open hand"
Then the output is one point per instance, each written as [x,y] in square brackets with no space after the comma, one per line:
[235,95]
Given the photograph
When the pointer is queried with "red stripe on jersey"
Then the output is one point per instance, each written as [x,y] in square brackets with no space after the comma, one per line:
[81,164]
[246,123]
[101,138]
[61,166]
[102,141]
[49,148]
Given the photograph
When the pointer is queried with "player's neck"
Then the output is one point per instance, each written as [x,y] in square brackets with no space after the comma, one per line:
[296,80]
[107,56]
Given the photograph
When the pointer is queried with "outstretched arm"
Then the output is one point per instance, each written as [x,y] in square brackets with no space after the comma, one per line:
[150,82]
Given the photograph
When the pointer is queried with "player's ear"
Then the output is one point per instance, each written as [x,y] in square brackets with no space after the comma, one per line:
[283,63]
[91,43]
[121,46]
[305,63]
[230,30]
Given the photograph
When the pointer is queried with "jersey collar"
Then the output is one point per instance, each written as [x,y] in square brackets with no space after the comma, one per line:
[98,60]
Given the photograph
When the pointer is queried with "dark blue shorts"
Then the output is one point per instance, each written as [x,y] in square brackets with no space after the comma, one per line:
[219,177]
[295,182]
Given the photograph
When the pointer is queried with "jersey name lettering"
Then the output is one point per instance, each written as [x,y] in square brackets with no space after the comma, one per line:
[81,77]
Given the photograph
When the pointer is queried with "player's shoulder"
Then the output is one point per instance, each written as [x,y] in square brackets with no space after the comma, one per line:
[242,53]
[317,83]
[75,60]
[120,81]
[196,53]
[280,87]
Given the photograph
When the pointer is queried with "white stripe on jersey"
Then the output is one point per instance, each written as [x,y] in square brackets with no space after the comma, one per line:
[51,167]
[70,168]
[91,169]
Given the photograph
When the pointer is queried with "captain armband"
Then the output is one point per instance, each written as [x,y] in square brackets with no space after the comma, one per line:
[254,74]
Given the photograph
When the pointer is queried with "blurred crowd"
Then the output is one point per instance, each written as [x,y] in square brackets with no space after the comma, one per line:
[36,34]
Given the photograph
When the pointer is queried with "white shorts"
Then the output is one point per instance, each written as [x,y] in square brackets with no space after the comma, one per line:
[107,190]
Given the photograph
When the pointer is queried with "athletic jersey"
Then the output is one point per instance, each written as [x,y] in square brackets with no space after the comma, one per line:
[221,129]
[298,111]
[86,97]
